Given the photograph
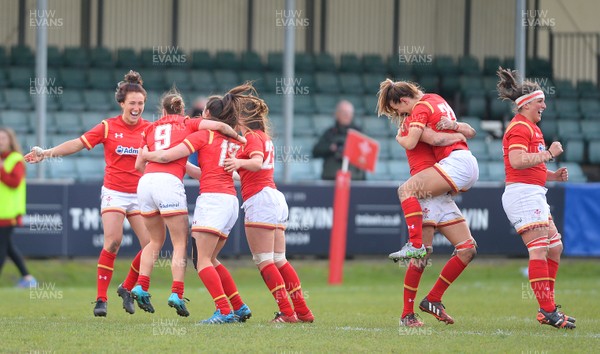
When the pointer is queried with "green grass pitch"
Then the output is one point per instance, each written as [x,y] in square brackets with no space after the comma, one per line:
[491,303]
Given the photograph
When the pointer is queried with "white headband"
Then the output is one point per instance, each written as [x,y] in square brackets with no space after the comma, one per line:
[525,99]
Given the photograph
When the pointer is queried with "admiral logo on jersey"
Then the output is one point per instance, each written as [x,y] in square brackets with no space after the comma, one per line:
[124,150]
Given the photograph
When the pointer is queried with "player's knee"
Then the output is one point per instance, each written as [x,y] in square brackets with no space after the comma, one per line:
[113,246]
[262,259]
[466,250]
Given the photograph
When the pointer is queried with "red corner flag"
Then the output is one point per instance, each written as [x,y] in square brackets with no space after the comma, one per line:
[361,151]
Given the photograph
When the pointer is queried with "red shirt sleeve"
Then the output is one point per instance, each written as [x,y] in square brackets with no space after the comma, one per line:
[518,137]
[197,140]
[254,145]
[193,123]
[14,178]
[95,136]
[419,117]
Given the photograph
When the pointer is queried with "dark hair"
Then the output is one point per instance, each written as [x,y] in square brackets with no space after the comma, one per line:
[509,87]
[172,102]
[392,92]
[254,114]
[132,82]
[227,108]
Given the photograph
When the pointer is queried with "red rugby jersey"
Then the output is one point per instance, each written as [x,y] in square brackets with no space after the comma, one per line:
[427,112]
[121,142]
[259,143]
[419,158]
[213,148]
[167,132]
[524,135]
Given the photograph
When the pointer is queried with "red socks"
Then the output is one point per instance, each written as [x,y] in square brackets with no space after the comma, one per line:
[414,220]
[552,271]
[177,288]
[276,285]
[411,284]
[106,263]
[134,271]
[229,287]
[449,273]
[292,286]
[539,280]
[144,282]
[212,282]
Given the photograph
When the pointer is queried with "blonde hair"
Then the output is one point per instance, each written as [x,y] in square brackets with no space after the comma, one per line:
[12,138]
[172,102]
[392,92]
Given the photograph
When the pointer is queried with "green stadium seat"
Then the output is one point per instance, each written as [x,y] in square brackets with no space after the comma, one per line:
[251,61]
[227,60]
[567,108]
[91,119]
[445,65]
[301,171]
[490,65]
[474,122]
[350,63]
[589,108]
[255,76]
[576,174]
[275,61]
[370,102]
[381,172]
[351,83]
[385,144]
[22,56]
[3,78]
[539,67]
[568,129]
[469,65]
[226,79]
[509,63]
[588,89]
[324,62]
[500,109]
[178,77]
[100,79]
[590,129]
[398,69]
[76,57]
[549,128]
[18,99]
[303,104]
[496,170]
[17,120]
[54,56]
[303,125]
[74,78]
[61,169]
[203,80]
[325,103]
[4,60]
[127,59]
[449,86]
[97,100]
[476,106]
[495,150]
[327,82]
[201,59]
[155,78]
[20,77]
[322,122]
[377,127]
[273,82]
[373,63]
[147,58]
[574,150]
[565,89]
[304,63]
[90,168]
[471,86]
[358,103]
[371,81]
[68,123]
[594,152]
[274,101]
[484,174]
[430,83]
[479,149]
[3,103]
[489,86]
[71,100]
[101,57]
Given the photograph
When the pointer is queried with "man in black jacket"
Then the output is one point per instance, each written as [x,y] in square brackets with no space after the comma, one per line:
[331,144]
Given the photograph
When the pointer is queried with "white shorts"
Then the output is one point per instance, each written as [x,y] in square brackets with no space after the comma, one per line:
[440,211]
[161,193]
[114,201]
[525,206]
[215,213]
[266,209]
[459,169]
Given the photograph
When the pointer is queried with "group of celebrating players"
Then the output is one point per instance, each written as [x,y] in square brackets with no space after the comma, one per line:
[146,162]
